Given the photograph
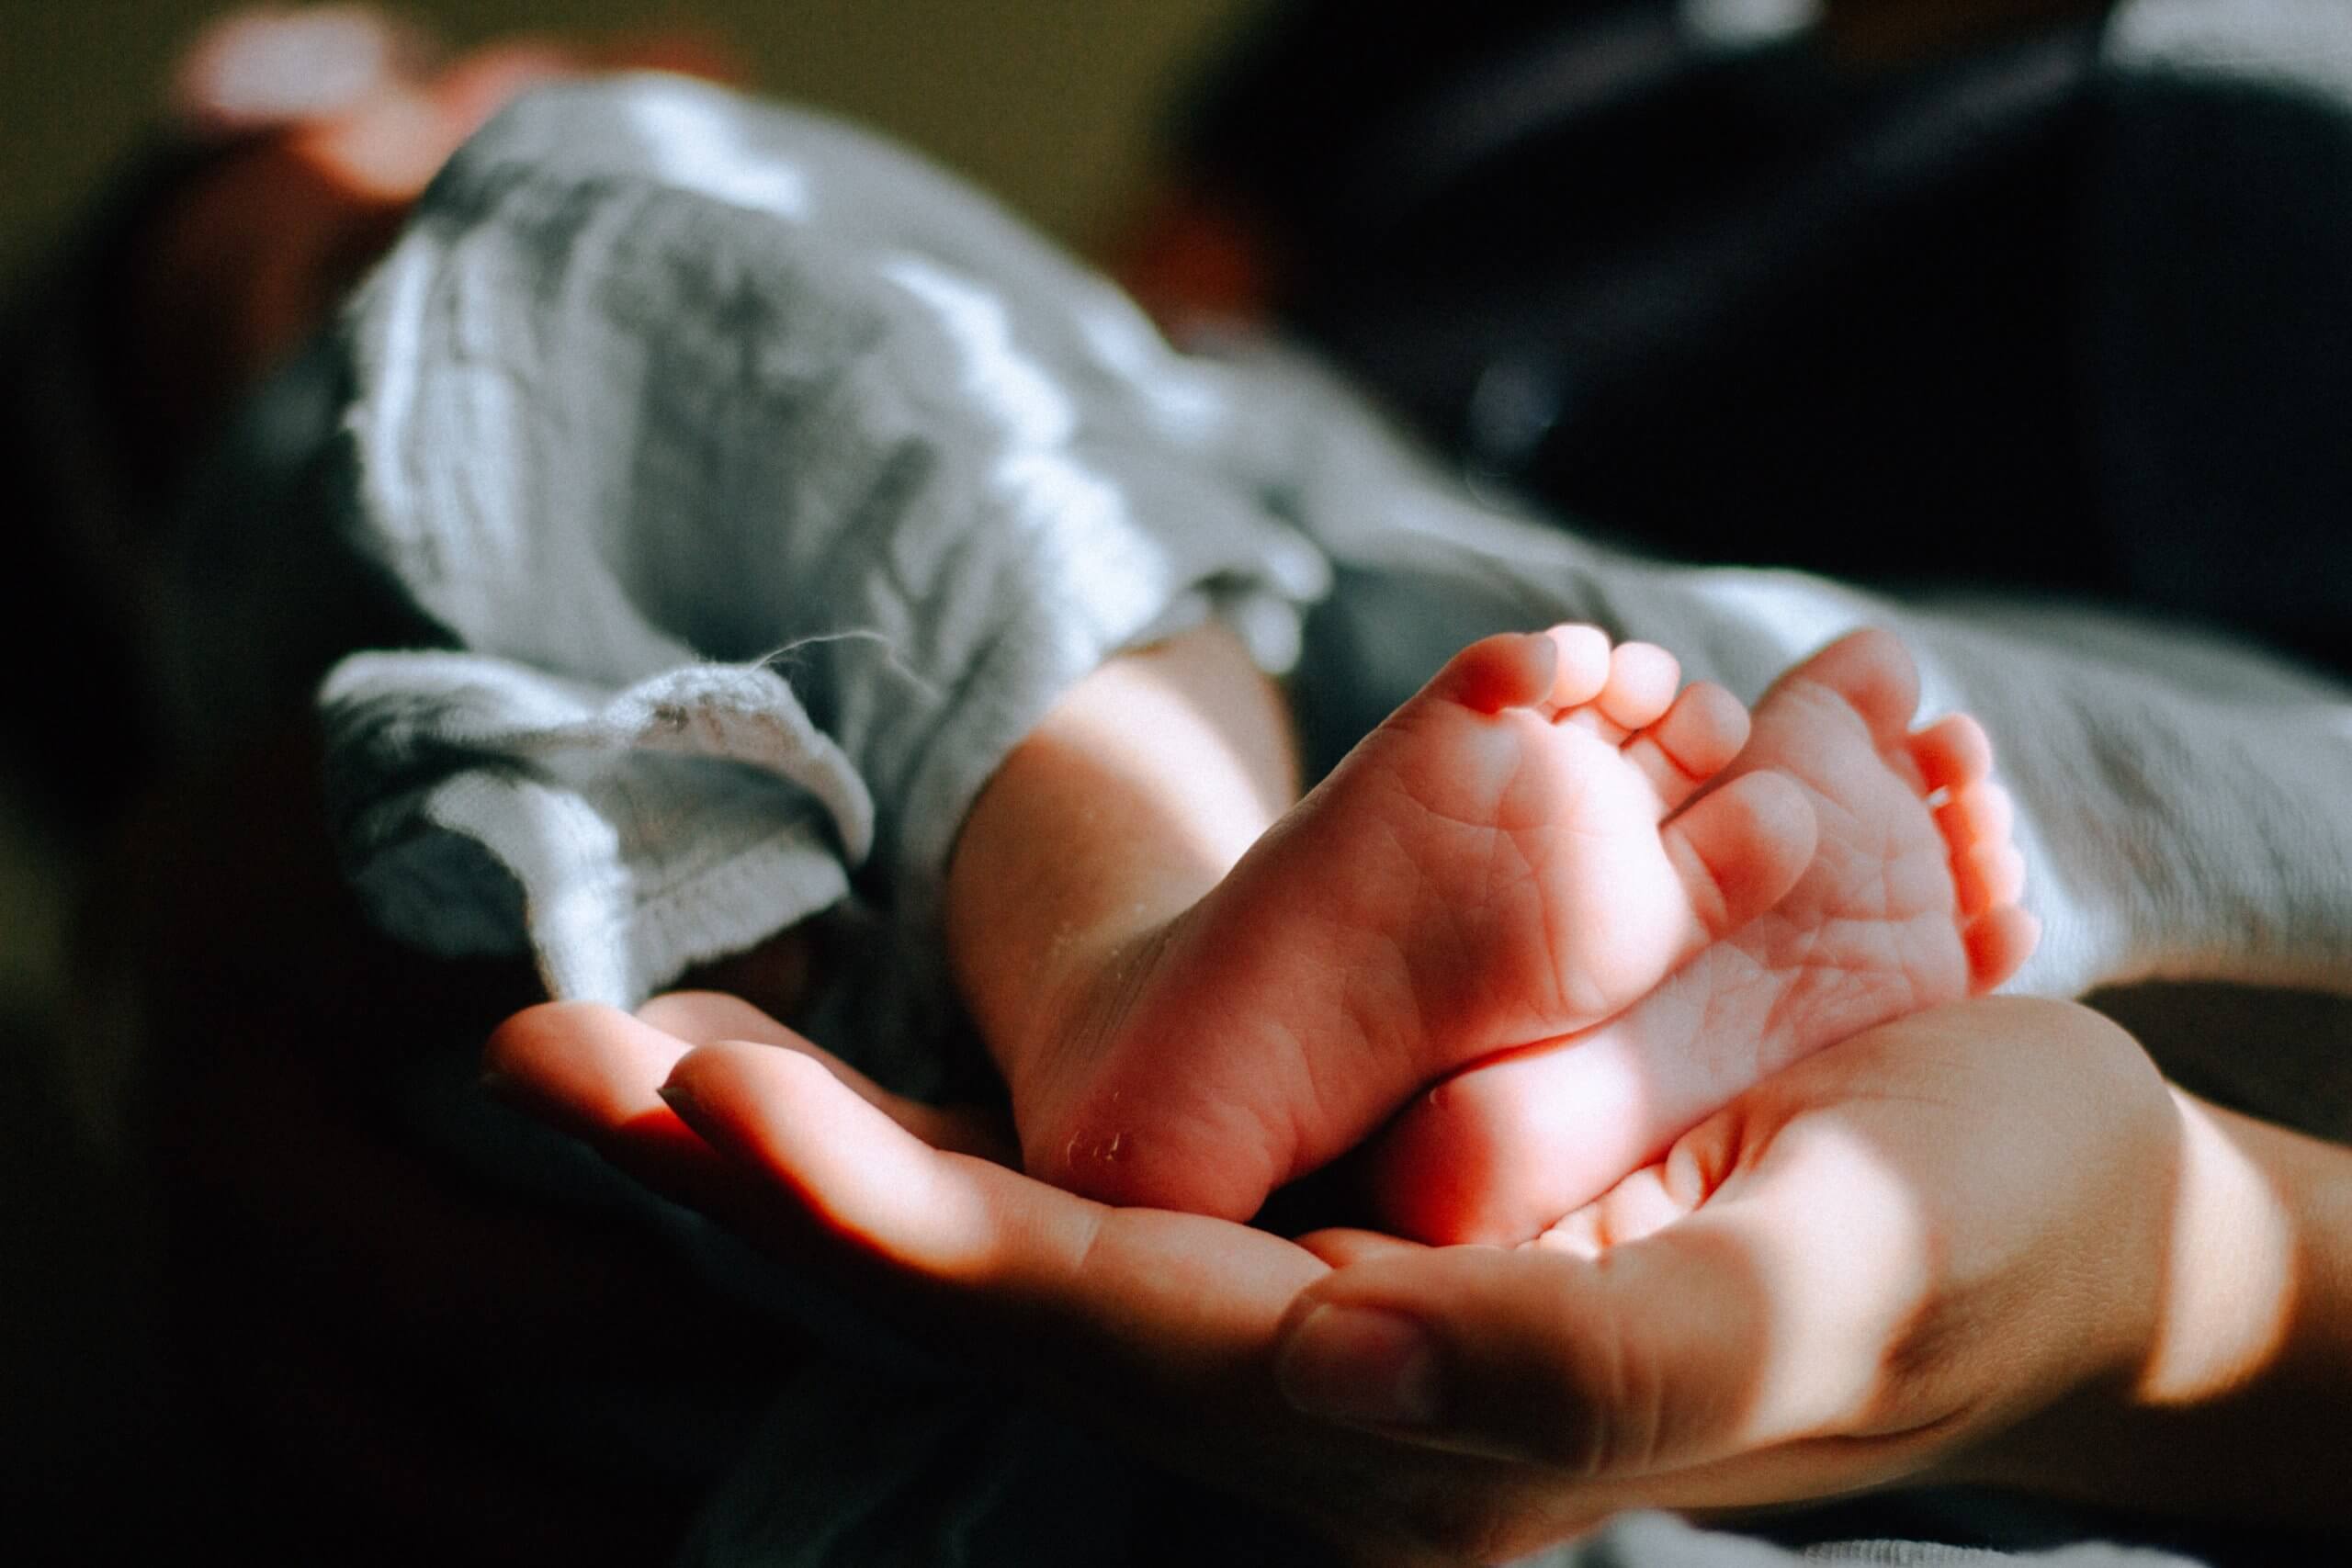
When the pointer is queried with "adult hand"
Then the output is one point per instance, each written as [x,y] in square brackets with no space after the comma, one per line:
[1159,1326]
[1929,1246]
[1985,1244]
[1865,1266]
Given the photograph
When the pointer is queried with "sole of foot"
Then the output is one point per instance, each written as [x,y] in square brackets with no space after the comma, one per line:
[1520,849]
[1910,902]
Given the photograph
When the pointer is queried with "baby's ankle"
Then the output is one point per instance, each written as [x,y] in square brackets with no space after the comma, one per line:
[1081,993]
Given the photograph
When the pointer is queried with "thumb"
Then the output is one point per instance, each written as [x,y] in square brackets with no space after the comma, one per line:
[1764,1315]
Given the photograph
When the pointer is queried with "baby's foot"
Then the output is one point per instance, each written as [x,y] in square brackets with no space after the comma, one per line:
[1909,905]
[1501,861]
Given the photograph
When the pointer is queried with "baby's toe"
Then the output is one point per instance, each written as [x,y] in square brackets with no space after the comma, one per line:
[1506,670]
[1584,664]
[1988,875]
[1979,813]
[1641,679]
[1998,942]
[1693,741]
[1951,753]
[1640,1206]
[1872,672]
[1738,851]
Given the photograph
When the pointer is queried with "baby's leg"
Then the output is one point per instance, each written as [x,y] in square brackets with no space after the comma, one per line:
[1187,1025]
[1910,903]
[1140,789]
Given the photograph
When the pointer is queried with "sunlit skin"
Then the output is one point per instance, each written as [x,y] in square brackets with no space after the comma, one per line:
[1988,1242]
[1901,909]
[345,117]
[1502,860]
[1194,1002]
[2198,1358]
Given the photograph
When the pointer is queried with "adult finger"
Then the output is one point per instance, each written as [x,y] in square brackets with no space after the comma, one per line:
[595,1072]
[1750,1323]
[777,1140]
[1172,1294]
[1152,1323]
[1341,1245]
[585,1066]
[707,1018]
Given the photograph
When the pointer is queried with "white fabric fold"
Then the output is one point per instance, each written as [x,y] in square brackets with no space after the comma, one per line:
[677,820]
[712,433]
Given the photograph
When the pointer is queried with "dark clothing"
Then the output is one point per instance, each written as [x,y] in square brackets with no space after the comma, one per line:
[2070,310]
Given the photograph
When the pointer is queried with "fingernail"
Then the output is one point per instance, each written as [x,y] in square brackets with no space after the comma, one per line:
[680,1099]
[1360,1365]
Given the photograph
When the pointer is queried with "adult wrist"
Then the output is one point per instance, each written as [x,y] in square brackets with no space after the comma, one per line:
[2233,1407]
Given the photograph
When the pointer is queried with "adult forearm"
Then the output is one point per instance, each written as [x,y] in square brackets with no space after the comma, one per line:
[2243,1407]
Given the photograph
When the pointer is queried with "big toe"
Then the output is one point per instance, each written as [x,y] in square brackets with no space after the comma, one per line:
[1872,672]
[1518,670]
[1738,851]
[1697,739]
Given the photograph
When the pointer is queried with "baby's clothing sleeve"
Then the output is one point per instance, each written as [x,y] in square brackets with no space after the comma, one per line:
[764,487]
